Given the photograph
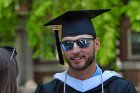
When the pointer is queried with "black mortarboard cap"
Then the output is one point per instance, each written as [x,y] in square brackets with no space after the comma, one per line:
[75,23]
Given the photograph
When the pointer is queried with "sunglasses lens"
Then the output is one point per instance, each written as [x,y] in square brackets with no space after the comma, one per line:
[83,43]
[67,45]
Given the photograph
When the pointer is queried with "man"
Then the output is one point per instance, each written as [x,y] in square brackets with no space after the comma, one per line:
[79,45]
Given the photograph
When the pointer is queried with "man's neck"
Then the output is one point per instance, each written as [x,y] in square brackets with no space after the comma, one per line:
[83,74]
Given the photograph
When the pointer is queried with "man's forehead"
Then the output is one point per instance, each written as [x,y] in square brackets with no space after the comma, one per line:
[76,37]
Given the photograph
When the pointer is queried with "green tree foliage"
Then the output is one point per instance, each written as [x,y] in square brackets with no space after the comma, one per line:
[132,10]
[41,11]
[7,21]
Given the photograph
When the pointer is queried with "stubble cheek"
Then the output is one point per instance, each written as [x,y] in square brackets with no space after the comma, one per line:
[67,57]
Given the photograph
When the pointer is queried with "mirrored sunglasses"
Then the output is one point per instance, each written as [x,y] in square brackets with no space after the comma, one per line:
[82,43]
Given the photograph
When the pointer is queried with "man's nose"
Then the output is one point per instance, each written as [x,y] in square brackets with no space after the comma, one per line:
[76,48]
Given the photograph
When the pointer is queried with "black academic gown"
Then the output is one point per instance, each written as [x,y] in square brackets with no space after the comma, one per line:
[113,85]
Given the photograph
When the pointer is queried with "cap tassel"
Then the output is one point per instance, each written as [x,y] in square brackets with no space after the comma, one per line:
[61,60]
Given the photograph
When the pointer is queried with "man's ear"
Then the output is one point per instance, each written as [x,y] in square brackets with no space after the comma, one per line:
[97,44]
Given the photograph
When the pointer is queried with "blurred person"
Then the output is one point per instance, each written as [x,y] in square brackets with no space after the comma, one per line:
[79,46]
[8,70]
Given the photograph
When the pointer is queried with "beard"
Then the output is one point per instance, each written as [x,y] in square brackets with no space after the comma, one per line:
[88,62]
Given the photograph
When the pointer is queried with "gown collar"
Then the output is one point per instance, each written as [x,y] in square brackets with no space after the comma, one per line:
[85,85]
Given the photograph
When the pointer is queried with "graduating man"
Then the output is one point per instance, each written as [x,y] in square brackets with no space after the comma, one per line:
[79,45]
